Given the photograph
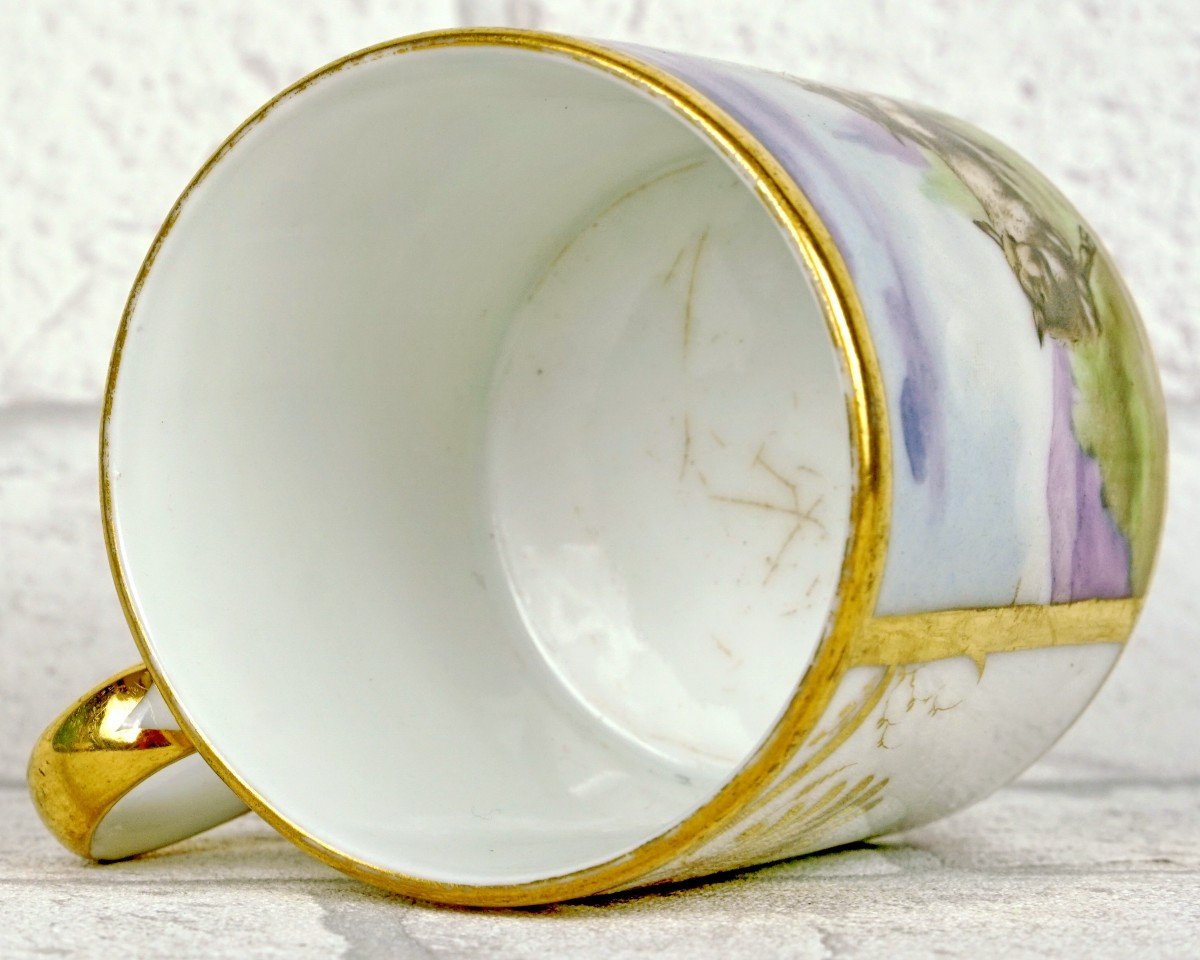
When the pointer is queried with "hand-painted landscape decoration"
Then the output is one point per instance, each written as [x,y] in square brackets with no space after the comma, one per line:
[1053,257]
[866,162]
[1017,513]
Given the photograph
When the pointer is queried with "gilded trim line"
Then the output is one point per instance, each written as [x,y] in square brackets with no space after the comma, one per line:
[978,632]
[867,417]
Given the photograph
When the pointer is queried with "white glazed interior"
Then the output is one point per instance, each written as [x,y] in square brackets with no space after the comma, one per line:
[479,464]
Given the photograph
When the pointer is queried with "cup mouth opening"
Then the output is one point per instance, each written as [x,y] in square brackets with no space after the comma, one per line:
[866,539]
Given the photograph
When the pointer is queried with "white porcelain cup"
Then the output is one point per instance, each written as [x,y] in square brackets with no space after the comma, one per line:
[535,467]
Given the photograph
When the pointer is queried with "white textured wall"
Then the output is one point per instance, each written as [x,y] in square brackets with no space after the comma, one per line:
[107,108]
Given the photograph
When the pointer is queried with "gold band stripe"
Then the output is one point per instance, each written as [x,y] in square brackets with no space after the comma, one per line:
[978,632]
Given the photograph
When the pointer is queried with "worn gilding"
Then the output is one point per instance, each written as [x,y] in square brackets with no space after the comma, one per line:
[976,633]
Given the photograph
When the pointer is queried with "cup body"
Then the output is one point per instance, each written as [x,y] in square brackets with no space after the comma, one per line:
[534,468]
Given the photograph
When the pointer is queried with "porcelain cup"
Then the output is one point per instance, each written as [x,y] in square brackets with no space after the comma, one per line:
[535,467]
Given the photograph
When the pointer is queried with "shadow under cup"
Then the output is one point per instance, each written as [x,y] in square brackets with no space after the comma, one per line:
[479,464]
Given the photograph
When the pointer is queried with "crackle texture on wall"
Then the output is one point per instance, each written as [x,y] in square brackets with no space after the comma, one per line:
[106,110]
[109,109]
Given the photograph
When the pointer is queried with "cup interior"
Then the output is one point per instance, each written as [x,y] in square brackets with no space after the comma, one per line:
[479,463]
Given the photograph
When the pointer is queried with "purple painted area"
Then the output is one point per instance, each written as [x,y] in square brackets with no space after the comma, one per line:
[868,133]
[1089,557]
[920,408]
[859,222]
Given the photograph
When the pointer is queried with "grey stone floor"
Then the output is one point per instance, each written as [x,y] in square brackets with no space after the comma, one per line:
[1061,864]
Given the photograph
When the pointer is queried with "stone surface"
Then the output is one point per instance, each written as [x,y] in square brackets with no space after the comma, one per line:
[1069,866]
[106,111]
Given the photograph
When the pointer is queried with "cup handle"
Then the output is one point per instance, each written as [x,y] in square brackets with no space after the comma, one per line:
[114,776]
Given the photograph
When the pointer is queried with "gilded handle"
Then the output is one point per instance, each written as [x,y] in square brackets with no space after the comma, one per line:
[113,776]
